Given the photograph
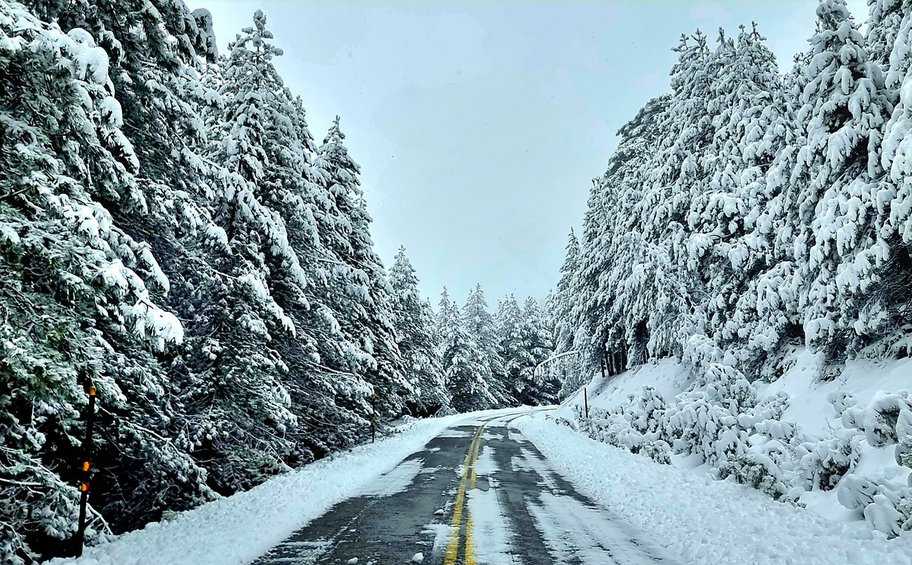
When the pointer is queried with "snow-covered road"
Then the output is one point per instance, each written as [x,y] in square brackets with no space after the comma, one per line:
[498,487]
[479,492]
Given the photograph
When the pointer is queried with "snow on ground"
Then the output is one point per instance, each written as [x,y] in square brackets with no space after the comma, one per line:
[239,528]
[808,403]
[441,533]
[491,534]
[484,464]
[809,408]
[530,461]
[669,377]
[573,530]
[395,481]
[702,521]
[456,433]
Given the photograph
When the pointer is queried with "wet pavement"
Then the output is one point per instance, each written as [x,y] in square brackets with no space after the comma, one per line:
[479,493]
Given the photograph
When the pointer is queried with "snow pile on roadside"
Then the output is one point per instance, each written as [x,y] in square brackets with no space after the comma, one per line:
[702,521]
[841,447]
[239,528]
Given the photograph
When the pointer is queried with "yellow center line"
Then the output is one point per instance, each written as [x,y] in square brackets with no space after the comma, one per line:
[470,542]
[452,550]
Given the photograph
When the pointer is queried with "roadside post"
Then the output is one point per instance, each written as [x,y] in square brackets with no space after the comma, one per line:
[86,469]
[586,401]
[373,416]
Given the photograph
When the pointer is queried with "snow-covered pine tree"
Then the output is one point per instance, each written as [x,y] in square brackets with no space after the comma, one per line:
[515,348]
[609,315]
[463,370]
[328,394]
[243,416]
[364,292]
[480,324]
[540,386]
[896,160]
[753,125]
[414,323]
[319,377]
[659,288]
[837,246]
[78,295]
[365,288]
[568,369]
[885,20]
[678,164]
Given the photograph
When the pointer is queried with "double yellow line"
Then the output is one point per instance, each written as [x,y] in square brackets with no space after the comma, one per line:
[468,478]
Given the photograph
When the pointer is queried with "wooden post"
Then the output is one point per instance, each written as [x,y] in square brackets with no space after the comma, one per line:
[373,416]
[86,470]
[586,401]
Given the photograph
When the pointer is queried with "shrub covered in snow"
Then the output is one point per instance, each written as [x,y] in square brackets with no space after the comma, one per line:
[720,420]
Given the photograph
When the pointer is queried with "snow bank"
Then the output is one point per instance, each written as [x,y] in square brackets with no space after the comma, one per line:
[702,521]
[841,447]
[239,528]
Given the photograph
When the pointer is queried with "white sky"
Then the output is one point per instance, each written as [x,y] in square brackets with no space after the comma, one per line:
[479,125]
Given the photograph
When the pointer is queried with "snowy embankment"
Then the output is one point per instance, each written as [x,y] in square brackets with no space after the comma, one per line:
[239,528]
[838,447]
[702,521]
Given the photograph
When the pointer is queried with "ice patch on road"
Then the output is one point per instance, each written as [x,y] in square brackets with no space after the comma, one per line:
[429,470]
[577,533]
[452,432]
[305,552]
[491,534]
[441,533]
[488,435]
[485,464]
[396,480]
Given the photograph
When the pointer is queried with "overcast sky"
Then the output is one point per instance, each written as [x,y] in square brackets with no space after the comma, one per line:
[479,125]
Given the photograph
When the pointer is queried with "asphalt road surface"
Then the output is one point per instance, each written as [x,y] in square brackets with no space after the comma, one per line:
[479,493]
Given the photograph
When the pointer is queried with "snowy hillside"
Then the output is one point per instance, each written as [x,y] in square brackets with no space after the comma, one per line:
[705,522]
[830,446]
[757,227]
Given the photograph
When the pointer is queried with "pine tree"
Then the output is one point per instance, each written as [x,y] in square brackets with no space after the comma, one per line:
[235,366]
[753,127]
[896,190]
[540,386]
[80,296]
[560,309]
[480,325]
[609,316]
[364,293]
[885,20]
[414,325]
[837,245]
[517,358]
[463,371]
